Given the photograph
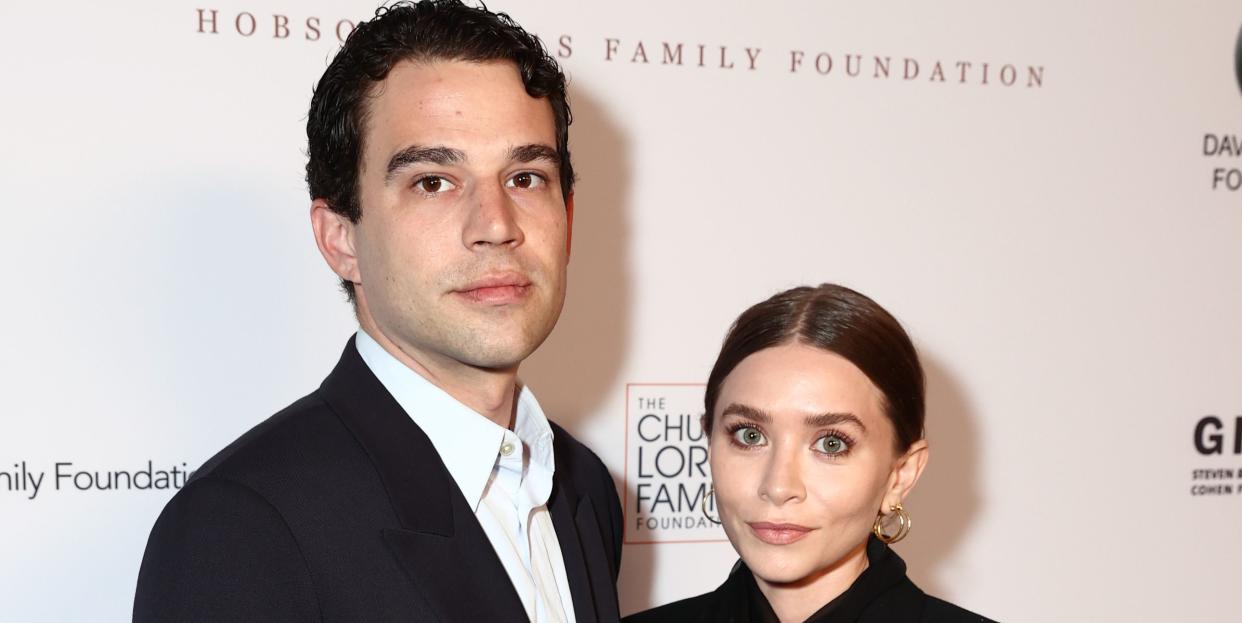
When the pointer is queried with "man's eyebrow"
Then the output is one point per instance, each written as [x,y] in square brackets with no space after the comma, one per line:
[415,154]
[533,152]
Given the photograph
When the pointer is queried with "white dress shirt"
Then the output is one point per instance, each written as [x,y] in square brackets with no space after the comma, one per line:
[505,476]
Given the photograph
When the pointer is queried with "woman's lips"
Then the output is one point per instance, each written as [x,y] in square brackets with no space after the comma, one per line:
[778,533]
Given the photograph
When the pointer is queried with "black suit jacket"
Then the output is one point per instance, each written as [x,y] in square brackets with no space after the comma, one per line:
[882,594]
[338,508]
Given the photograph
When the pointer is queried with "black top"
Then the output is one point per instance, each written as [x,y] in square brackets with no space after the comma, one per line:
[339,508]
[882,593]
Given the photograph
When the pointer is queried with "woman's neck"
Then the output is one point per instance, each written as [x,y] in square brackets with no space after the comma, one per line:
[796,601]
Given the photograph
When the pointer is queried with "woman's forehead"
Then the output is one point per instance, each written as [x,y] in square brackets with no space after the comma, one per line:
[797,381]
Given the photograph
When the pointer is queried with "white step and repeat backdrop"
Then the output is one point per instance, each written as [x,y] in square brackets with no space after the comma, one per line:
[1046,193]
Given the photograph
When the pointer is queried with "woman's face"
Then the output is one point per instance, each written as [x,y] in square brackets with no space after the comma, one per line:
[803,458]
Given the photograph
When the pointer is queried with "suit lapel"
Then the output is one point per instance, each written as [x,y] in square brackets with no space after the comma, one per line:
[562,505]
[586,564]
[460,577]
[439,543]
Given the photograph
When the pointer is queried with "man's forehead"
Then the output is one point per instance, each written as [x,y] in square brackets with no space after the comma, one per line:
[442,101]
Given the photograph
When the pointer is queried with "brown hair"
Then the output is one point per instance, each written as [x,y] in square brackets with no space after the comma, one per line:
[842,321]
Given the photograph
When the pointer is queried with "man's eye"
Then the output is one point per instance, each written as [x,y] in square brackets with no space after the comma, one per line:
[433,184]
[832,444]
[526,180]
[748,436]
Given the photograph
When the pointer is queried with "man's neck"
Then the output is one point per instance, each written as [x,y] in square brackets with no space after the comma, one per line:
[491,393]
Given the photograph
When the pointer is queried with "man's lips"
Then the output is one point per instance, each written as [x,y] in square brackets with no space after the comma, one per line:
[496,289]
[778,533]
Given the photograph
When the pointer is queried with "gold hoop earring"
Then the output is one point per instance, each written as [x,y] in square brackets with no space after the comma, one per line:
[904,524]
[711,495]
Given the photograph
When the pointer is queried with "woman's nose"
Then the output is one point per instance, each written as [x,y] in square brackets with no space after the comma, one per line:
[782,479]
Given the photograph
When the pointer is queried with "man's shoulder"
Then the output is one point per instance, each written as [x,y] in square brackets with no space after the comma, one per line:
[565,442]
[291,440]
[575,458]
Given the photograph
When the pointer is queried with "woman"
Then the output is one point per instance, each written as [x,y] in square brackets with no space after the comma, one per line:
[815,426]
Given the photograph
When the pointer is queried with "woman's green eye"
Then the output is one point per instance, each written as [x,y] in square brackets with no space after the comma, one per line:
[748,436]
[831,444]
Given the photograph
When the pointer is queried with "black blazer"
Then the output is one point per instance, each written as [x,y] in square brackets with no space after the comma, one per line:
[882,594]
[338,508]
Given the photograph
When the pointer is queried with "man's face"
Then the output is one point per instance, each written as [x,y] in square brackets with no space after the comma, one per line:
[462,246]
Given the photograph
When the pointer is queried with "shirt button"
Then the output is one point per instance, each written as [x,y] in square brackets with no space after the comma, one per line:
[506,448]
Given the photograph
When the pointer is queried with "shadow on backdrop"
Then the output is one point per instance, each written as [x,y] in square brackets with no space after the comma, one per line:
[579,367]
[638,564]
[945,502]
[576,369]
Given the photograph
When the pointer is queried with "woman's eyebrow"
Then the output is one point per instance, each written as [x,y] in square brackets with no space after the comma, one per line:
[747,411]
[832,419]
[814,421]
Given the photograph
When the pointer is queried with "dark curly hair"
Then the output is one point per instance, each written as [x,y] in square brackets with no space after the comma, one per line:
[836,319]
[421,31]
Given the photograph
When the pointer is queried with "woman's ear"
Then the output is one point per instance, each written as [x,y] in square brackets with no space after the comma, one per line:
[906,472]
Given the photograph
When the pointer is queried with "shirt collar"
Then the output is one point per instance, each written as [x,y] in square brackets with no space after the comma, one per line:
[467,441]
[531,426]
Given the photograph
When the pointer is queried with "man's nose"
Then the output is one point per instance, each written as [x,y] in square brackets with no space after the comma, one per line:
[493,219]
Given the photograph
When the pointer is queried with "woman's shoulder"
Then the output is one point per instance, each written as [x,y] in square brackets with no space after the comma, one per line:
[937,610]
[885,593]
[726,604]
[689,609]
[906,602]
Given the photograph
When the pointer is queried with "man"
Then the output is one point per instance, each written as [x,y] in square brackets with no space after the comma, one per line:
[421,481]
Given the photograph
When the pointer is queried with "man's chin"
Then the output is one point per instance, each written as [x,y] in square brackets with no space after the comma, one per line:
[498,357]
[494,364]
[486,347]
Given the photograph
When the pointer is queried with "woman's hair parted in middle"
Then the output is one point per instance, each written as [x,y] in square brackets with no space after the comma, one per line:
[839,320]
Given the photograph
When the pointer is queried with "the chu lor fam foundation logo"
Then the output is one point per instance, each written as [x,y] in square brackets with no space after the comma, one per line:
[666,472]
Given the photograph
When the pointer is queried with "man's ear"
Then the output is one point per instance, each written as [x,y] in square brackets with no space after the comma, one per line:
[569,224]
[906,472]
[334,235]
